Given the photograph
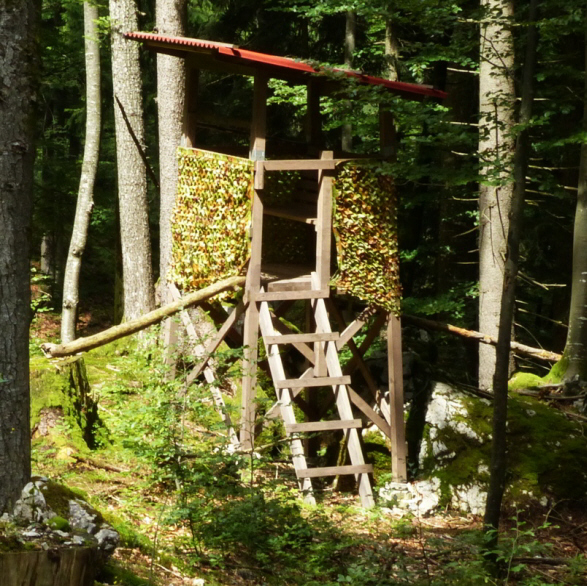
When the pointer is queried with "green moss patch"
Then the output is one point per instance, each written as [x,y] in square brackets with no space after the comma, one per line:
[58,496]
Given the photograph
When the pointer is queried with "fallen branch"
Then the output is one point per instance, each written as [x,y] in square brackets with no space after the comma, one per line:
[140,323]
[483,338]
[96,464]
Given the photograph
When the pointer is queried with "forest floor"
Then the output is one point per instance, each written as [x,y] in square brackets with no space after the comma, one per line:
[190,512]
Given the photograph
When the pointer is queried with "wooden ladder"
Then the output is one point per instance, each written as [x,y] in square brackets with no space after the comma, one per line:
[325,372]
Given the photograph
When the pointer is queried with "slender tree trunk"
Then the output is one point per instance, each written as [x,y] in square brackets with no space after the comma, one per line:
[498,465]
[350,41]
[137,271]
[576,346]
[17,61]
[496,147]
[85,197]
[391,51]
[171,17]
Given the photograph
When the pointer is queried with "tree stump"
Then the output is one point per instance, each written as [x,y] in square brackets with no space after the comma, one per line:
[55,567]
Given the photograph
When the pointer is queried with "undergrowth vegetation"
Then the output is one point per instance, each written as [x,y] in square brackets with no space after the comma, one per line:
[188,505]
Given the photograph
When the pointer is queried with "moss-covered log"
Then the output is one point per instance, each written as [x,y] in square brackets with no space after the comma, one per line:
[131,327]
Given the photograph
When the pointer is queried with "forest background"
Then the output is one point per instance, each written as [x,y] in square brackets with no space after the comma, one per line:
[438,169]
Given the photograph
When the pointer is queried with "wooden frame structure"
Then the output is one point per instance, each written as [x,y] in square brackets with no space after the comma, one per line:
[266,295]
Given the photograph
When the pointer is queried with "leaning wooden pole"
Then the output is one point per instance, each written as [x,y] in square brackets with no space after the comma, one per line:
[140,323]
[428,324]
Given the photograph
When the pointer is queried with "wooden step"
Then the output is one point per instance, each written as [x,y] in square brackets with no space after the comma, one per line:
[302,283]
[287,295]
[335,471]
[300,213]
[323,425]
[305,338]
[320,381]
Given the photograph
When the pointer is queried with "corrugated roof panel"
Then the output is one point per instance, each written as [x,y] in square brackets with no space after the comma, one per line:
[255,59]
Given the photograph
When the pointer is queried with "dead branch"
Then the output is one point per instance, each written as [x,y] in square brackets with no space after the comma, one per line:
[483,338]
[140,323]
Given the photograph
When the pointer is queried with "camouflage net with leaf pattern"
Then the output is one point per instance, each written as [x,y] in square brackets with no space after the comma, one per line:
[211,218]
[365,226]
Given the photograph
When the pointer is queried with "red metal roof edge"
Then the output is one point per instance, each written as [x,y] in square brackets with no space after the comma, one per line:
[232,51]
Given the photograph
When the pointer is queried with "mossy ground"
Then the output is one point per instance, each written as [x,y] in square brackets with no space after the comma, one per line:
[246,533]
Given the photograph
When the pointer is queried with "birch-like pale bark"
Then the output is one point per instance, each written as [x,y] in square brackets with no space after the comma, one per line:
[171,76]
[85,197]
[391,51]
[137,271]
[576,346]
[499,464]
[17,62]
[496,148]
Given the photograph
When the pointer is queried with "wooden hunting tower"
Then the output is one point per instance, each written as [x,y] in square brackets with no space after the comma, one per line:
[275,218]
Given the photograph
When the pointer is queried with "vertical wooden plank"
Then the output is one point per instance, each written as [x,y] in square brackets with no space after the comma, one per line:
[259,123]
[189,115]
[387,134]
[324,225]
[251,328]
[396,399]
[170,336]
[313,117]
[253,284]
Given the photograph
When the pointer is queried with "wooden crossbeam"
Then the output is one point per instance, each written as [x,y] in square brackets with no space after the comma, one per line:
[361,469]
[310,426]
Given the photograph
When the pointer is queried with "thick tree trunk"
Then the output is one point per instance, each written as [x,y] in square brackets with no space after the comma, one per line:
[85,197]
[137,271]
[17,60]
[498,466]
[576,346]
[350,42]
[496,146]
[171,17]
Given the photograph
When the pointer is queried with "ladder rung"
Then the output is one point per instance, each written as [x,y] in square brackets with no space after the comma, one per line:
[302,283]
[287,295]
[334,471]
[306,338]
[323,425]
[321,381]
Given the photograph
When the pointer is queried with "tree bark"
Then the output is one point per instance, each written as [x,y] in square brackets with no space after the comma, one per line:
[498,465]
[391,51]
[17,94]
[496,147]
[140,323]
[576,346]
[138,291]
[171,16]
[350,42]
[85,197]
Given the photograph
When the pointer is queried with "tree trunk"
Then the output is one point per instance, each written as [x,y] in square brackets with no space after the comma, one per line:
[496,146]
[350,41]
[576,346]
[498,466]
[391,51]
[137,271]
[17,60]
[171,17]
[85,197]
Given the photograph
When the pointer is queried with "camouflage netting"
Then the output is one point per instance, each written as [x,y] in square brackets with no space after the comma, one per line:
[211,218]
[365,225]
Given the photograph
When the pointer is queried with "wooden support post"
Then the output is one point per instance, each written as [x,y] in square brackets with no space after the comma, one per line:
[313,117]
[387,134]
[396,399]
[253,285]
[189,115]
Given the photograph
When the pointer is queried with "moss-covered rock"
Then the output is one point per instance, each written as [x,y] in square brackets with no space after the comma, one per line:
[524,380]
[547,452]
